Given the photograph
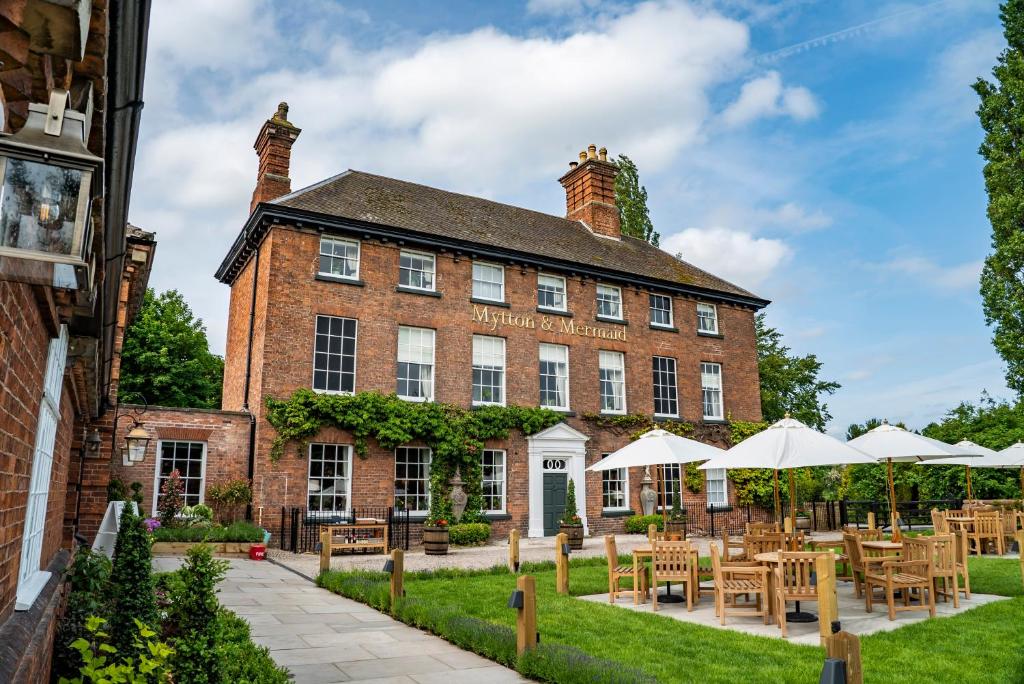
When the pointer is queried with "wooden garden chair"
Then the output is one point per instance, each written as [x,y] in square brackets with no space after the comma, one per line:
[913,573]
[654,535]
[754,544]
[961,548]
[939,523]
[859,563]
[730,544]
[736,580]
[945,570]
[616,572]
[762,528]
[793,582]
[838,547]
[673,562]
[1009,518]
[987,528]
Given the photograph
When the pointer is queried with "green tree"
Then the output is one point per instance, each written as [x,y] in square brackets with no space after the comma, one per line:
[1002,117]
[131,591]
[869,481]
[631,199]
[194,617]
[167,358]
[790,383]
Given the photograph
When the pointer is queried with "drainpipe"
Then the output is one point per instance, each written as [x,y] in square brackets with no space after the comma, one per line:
[248,379]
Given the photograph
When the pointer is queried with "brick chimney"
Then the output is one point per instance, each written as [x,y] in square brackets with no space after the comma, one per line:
[274,148]
[590,192]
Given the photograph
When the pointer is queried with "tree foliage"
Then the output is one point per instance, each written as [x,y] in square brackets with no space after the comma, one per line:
[631,199]
[166,357]
[1002,117]
[790,383]
[131,591]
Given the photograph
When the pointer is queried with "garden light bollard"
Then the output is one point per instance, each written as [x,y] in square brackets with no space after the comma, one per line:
[397,574]
[828,605]
[842,658]
[526,613]
[325,549]
[513,551]
[562,563]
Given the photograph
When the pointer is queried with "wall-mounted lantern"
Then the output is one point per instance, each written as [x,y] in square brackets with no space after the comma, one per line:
[48,178]
[137,439]
[135,443]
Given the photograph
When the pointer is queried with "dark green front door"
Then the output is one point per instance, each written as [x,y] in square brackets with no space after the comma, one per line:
[554,501]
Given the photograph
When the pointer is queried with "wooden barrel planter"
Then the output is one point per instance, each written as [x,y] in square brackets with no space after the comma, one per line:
[676,529]
[435,541]
[575,534]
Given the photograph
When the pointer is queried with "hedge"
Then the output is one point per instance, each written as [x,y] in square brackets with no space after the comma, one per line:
[235,532]
[469,534]
[638,524]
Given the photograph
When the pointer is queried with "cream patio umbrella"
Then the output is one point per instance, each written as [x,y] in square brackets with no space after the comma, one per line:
[786,445]
[893,444]
[1012,457]
[986,458]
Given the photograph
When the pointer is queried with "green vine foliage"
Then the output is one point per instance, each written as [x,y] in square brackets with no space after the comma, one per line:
[455,435]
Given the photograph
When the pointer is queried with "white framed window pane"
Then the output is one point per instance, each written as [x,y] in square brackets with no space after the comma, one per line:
[551,292]
[412,479]
[189,459]
[666,402]
[554,376]
[614,488]
[416,270]
[707,318]
[609,301]
[334,355]
[715,488]
[661,310]
[330,478]
[339,257]
[711,388]
[612,372]
[415,363]
[488,370]
[493,480]
[488,282]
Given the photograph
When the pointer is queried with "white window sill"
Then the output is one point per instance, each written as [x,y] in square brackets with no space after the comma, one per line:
[666,415]
[415,400]
[663,326]
[488,403]
[28,591]
[716,418]
[606,412]
[342,393]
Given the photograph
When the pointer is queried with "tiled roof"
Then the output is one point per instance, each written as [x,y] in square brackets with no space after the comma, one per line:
[418,208]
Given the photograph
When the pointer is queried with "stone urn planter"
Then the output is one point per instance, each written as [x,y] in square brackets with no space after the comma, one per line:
[435,540]
[676,529]
[575,535]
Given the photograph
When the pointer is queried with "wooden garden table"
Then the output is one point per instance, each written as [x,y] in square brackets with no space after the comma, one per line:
[961,522]
[641,553]
[882,545]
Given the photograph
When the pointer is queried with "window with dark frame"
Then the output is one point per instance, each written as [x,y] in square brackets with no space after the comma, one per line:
[334,355]
[330,478]
[661,310]
[666,401]
[412,479]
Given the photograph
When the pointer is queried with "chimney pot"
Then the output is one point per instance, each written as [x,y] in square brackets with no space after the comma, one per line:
[603,154]
[274,148]
[573,164]
[583,156]
[592,152]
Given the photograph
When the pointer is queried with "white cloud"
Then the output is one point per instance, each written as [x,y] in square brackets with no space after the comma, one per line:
[737,256]
[927,272]
[765,96]
[788,217]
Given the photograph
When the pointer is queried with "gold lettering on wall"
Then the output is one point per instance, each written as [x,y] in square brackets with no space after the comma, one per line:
[492,319]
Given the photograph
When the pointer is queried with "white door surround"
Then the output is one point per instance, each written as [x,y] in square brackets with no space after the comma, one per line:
[557,443]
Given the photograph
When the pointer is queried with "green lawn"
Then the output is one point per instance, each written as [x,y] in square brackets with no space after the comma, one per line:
[983,645]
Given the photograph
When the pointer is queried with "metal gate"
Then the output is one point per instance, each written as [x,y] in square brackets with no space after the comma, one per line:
[300,528]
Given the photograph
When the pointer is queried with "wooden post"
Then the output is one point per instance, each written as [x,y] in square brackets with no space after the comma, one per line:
[1020,548]
[652,532]
[828,604]
[871,520]
[397,574]
[513,550]
[325,549]
[561,563]
[526,617]
[787,525]
[846,647]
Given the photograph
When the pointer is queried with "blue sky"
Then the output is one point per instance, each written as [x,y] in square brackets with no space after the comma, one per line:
[822,154]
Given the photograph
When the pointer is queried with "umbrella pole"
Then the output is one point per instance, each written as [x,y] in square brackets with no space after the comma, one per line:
[778,502]
[893,513]
[664,503]
[970,491]
[792,508]
[1022,480]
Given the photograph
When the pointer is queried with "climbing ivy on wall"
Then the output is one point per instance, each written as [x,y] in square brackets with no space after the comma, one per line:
[455,435]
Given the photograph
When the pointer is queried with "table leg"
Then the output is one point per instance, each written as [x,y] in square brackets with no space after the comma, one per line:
[636,585]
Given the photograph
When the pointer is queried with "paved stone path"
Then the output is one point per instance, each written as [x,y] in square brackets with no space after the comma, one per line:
[323,638]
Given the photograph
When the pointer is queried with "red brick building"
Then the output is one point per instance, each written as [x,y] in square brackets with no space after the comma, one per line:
[70,79]
[366,283]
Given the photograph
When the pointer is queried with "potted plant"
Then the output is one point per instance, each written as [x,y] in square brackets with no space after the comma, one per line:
[571,523]
[435,530]
[675,526]
[803,520]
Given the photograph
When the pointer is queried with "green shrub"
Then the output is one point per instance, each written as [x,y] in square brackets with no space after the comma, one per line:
[137,493]
[235,532]
[116,490]
[193,618]
[637,524]
[171,499]
[228,498]
[568,665]
[496,642]
[240,659]
[130,591]
[102,663]
[469,534]
[87,579]
[572,514]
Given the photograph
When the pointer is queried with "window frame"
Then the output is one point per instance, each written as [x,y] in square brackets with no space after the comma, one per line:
[714,317]
[394,479]
[321,255]
[156,472]
[501,284]
[433,363]
[705,388]
[598,300]
[651,309]
[601,368]
[673,480]
[504,481]
[348,480]
[707,488]
[564,293]
[433,270]
[504,372]
[355,356]
[623,481]
[675,387]
[540,360]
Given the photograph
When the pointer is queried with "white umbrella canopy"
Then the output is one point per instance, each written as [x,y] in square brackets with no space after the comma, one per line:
[986,458]
[657,447]
[1010,457]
